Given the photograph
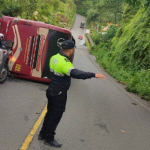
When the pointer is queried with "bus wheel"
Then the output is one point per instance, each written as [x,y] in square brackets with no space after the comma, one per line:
[4,74]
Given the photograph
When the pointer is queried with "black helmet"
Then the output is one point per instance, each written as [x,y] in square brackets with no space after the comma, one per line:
[68,44]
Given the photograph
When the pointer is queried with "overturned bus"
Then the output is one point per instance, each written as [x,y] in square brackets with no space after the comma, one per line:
[34,43]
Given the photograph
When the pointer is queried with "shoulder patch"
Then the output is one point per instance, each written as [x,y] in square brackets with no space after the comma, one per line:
[66,59]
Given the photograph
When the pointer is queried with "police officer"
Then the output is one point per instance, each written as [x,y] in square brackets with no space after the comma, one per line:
[62,70]
[1,40]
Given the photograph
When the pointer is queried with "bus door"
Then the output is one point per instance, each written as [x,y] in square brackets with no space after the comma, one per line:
[23,36]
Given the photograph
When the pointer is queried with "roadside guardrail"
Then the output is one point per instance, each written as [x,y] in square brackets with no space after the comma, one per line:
[90,39]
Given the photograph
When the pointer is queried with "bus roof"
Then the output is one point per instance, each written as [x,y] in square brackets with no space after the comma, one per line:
[34,23]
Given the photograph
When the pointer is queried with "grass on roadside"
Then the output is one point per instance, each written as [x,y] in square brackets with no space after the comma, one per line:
[137,81]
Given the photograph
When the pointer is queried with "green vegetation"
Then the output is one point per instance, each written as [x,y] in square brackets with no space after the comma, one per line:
[124,51]
[100,11]
[56,12]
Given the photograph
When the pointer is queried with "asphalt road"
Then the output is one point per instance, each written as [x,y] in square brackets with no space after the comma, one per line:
[100,114]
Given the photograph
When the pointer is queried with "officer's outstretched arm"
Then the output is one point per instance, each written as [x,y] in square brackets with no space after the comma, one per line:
[78,74]
[69,70]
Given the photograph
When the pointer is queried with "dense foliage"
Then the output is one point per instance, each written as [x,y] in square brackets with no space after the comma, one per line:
[56,12]
[100,10]
[124,51]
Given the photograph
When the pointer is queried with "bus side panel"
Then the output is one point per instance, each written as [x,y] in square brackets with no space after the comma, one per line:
[37,65]
[54,40]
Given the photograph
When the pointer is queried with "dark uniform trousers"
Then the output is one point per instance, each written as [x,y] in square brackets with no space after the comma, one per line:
[55,108]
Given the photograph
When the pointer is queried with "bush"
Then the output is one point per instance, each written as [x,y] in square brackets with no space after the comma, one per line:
[56,4]
[97,37]
[110,33]
[11,9]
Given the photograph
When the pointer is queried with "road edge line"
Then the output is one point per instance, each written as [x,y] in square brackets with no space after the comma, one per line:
[30,136]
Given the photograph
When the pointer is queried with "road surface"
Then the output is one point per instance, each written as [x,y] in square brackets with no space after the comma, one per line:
[100,114]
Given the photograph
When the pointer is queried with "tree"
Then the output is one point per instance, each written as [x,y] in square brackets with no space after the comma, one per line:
[103,10]
[138,2]
[83,6]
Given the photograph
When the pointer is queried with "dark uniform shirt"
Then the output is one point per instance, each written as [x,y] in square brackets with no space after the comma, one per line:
[62,70]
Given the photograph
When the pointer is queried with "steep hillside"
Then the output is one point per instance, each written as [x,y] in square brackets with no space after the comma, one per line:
[58,12]
[127,55]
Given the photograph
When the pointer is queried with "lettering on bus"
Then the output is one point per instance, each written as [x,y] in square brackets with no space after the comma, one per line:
[28,49]
[18,67]
[43,37]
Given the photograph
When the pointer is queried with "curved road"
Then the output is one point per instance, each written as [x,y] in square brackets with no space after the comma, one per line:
[100,114]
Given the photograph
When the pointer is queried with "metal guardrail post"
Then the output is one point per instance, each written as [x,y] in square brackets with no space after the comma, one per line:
[90,40]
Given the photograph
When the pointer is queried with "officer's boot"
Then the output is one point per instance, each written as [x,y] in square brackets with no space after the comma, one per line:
[53,143]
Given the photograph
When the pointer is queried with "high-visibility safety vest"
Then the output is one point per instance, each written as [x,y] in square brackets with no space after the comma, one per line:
[60,65]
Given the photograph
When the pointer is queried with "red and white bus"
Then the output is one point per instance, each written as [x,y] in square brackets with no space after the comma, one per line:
[33,45]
